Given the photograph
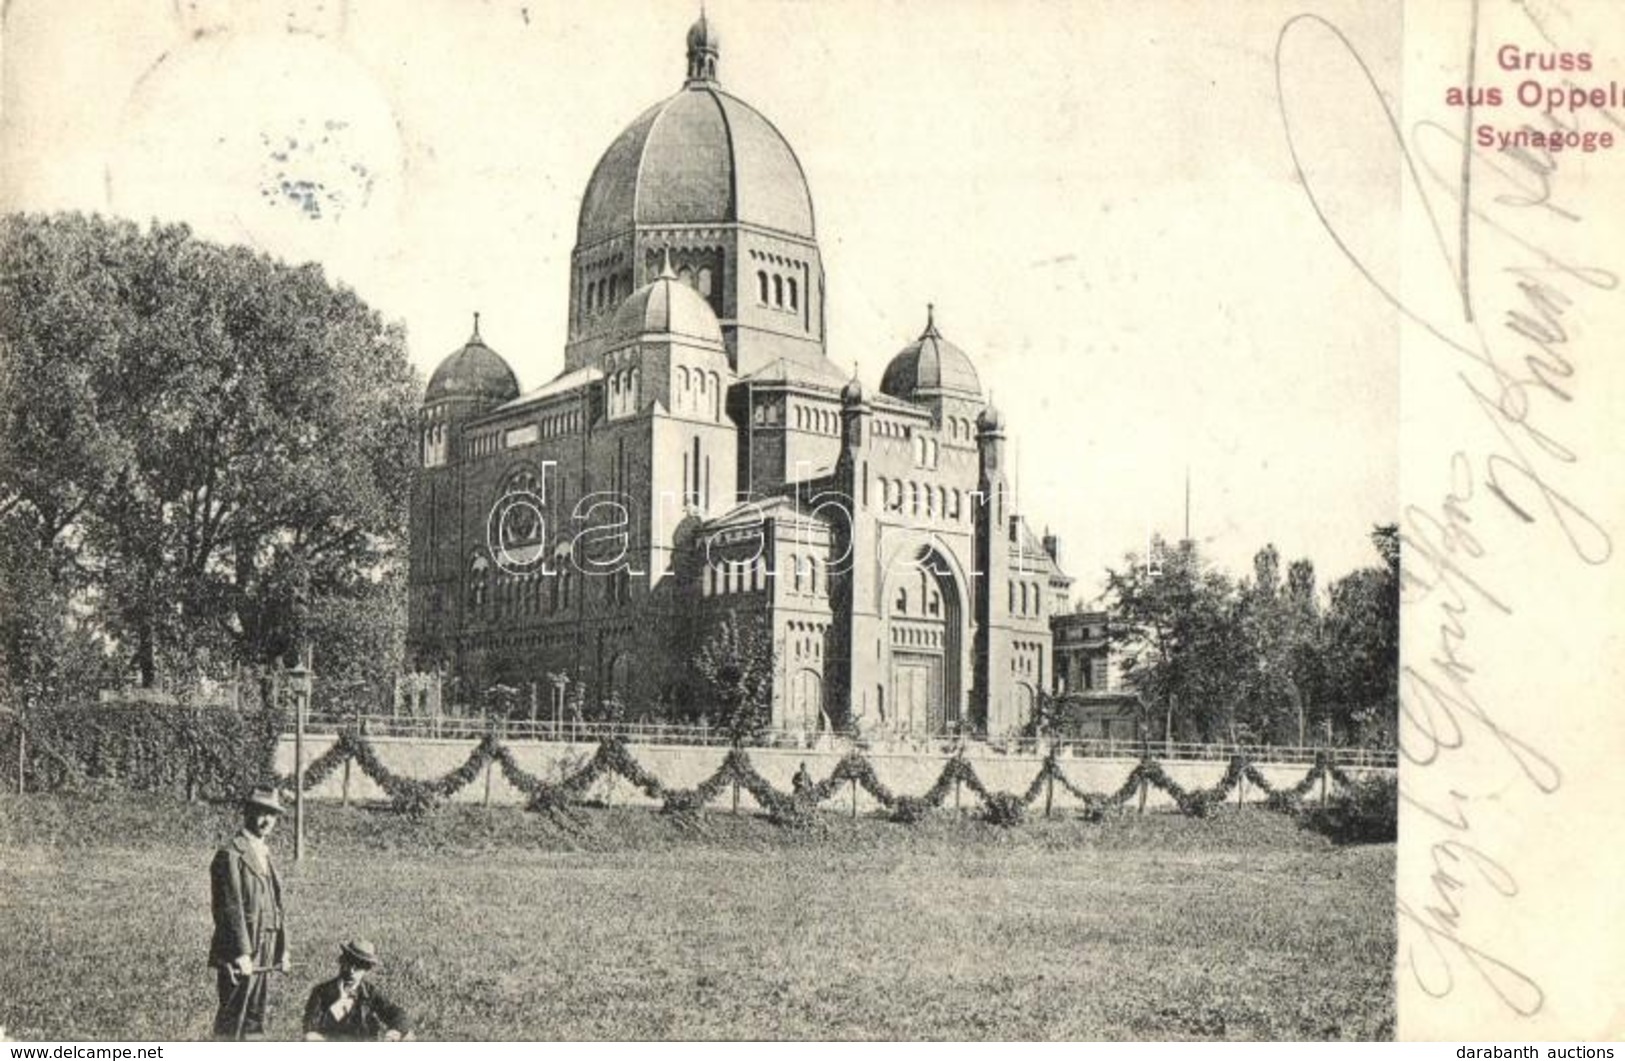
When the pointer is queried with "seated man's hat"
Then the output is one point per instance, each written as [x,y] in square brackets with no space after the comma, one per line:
[361,952]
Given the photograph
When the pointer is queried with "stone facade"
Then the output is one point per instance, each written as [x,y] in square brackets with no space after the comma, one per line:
[699,456]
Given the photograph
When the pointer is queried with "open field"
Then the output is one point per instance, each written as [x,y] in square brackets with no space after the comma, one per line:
[496,924]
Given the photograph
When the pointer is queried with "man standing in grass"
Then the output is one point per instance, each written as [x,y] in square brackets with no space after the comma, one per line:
[249,933]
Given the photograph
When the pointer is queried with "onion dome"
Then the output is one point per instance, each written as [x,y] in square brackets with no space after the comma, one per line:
[852,393]
[475,371]
[990,421]
[700,157]
[665,306]
[704,49]
[930,366]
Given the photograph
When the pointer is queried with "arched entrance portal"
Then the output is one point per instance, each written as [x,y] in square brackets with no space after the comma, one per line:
[925,620]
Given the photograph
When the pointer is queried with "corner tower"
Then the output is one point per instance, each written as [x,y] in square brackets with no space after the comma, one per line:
[705,178]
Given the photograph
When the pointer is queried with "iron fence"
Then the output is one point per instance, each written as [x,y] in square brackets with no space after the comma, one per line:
[582,732]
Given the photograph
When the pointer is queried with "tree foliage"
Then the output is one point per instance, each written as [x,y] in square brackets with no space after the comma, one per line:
[735,668]
[1262,659]
[201,447]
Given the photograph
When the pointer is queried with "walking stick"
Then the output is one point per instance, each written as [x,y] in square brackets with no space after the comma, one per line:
[248,992]
[242,1010]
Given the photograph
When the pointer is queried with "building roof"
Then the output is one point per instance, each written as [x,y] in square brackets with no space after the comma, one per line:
[563,383]
[931,365]
[474,371]
[665,306]
[700,156]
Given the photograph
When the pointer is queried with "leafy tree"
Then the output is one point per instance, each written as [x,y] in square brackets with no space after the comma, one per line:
[1281,626]
[200,443]
[1362,645]
[735,666]
[1175,623]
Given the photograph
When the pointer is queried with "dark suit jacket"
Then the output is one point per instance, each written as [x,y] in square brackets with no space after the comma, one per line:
[372,1015]
[247,905]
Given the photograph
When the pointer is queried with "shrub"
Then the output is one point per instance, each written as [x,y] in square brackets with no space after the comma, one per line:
[1363,812]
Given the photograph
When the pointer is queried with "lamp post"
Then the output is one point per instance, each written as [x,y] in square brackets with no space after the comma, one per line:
[299,682]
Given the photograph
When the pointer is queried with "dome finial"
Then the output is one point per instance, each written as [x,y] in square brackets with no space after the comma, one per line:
[704,49]
[666,272]
[930,322]
[475,338]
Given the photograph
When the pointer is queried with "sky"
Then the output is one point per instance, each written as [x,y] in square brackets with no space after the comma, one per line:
[1098,199]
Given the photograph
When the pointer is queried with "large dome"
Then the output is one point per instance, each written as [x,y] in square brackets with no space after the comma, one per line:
[475,371]
[700,157]
[666,306]
[931,365]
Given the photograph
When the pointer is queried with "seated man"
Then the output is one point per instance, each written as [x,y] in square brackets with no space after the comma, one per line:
[348,1008]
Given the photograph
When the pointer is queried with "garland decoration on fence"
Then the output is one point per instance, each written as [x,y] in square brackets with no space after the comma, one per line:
[558,799]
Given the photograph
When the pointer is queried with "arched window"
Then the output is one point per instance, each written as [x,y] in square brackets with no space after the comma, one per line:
[761,287]
[812,575]
[632,390]
[778,291]
[1012,598]
[716,397]
[686,275]
[900,605]
[790,292]
[795,561]
[953,504]
[913,499]
[705,282]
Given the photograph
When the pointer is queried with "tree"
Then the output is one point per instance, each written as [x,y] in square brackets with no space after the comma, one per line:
[1175,623]
[735,666]
[201,442]
[1362,644]
[1281,627]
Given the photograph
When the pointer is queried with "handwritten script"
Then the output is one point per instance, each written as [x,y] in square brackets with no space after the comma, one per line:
[1512,338]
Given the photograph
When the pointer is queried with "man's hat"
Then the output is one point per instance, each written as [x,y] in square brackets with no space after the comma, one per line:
[361,952]
[264,799]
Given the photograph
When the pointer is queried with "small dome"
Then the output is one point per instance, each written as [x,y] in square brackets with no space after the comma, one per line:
[929,365]
[665,306]
[475,371]
[990,420]
[852,393]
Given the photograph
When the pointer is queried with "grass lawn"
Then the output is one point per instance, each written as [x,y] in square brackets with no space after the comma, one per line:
[496,924]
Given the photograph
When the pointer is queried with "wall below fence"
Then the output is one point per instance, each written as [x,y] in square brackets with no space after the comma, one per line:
[678,766]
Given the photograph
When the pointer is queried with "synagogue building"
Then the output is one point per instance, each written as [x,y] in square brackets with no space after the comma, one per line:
[699,460]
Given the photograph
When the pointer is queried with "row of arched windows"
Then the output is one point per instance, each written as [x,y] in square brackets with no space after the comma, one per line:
[1028,658]
[777,290]
[435,448]
[621,393]
[808,576]
[923,499]
[916,637]
[699,281]
[806,640]
[960,428]
[925,451]
[605,293]
[1025,598]
[698,391]
[820,421]
[733,576]
[529,594]
[564,422]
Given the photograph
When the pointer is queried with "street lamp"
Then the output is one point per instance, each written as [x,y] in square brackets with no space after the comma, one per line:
[299,683]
